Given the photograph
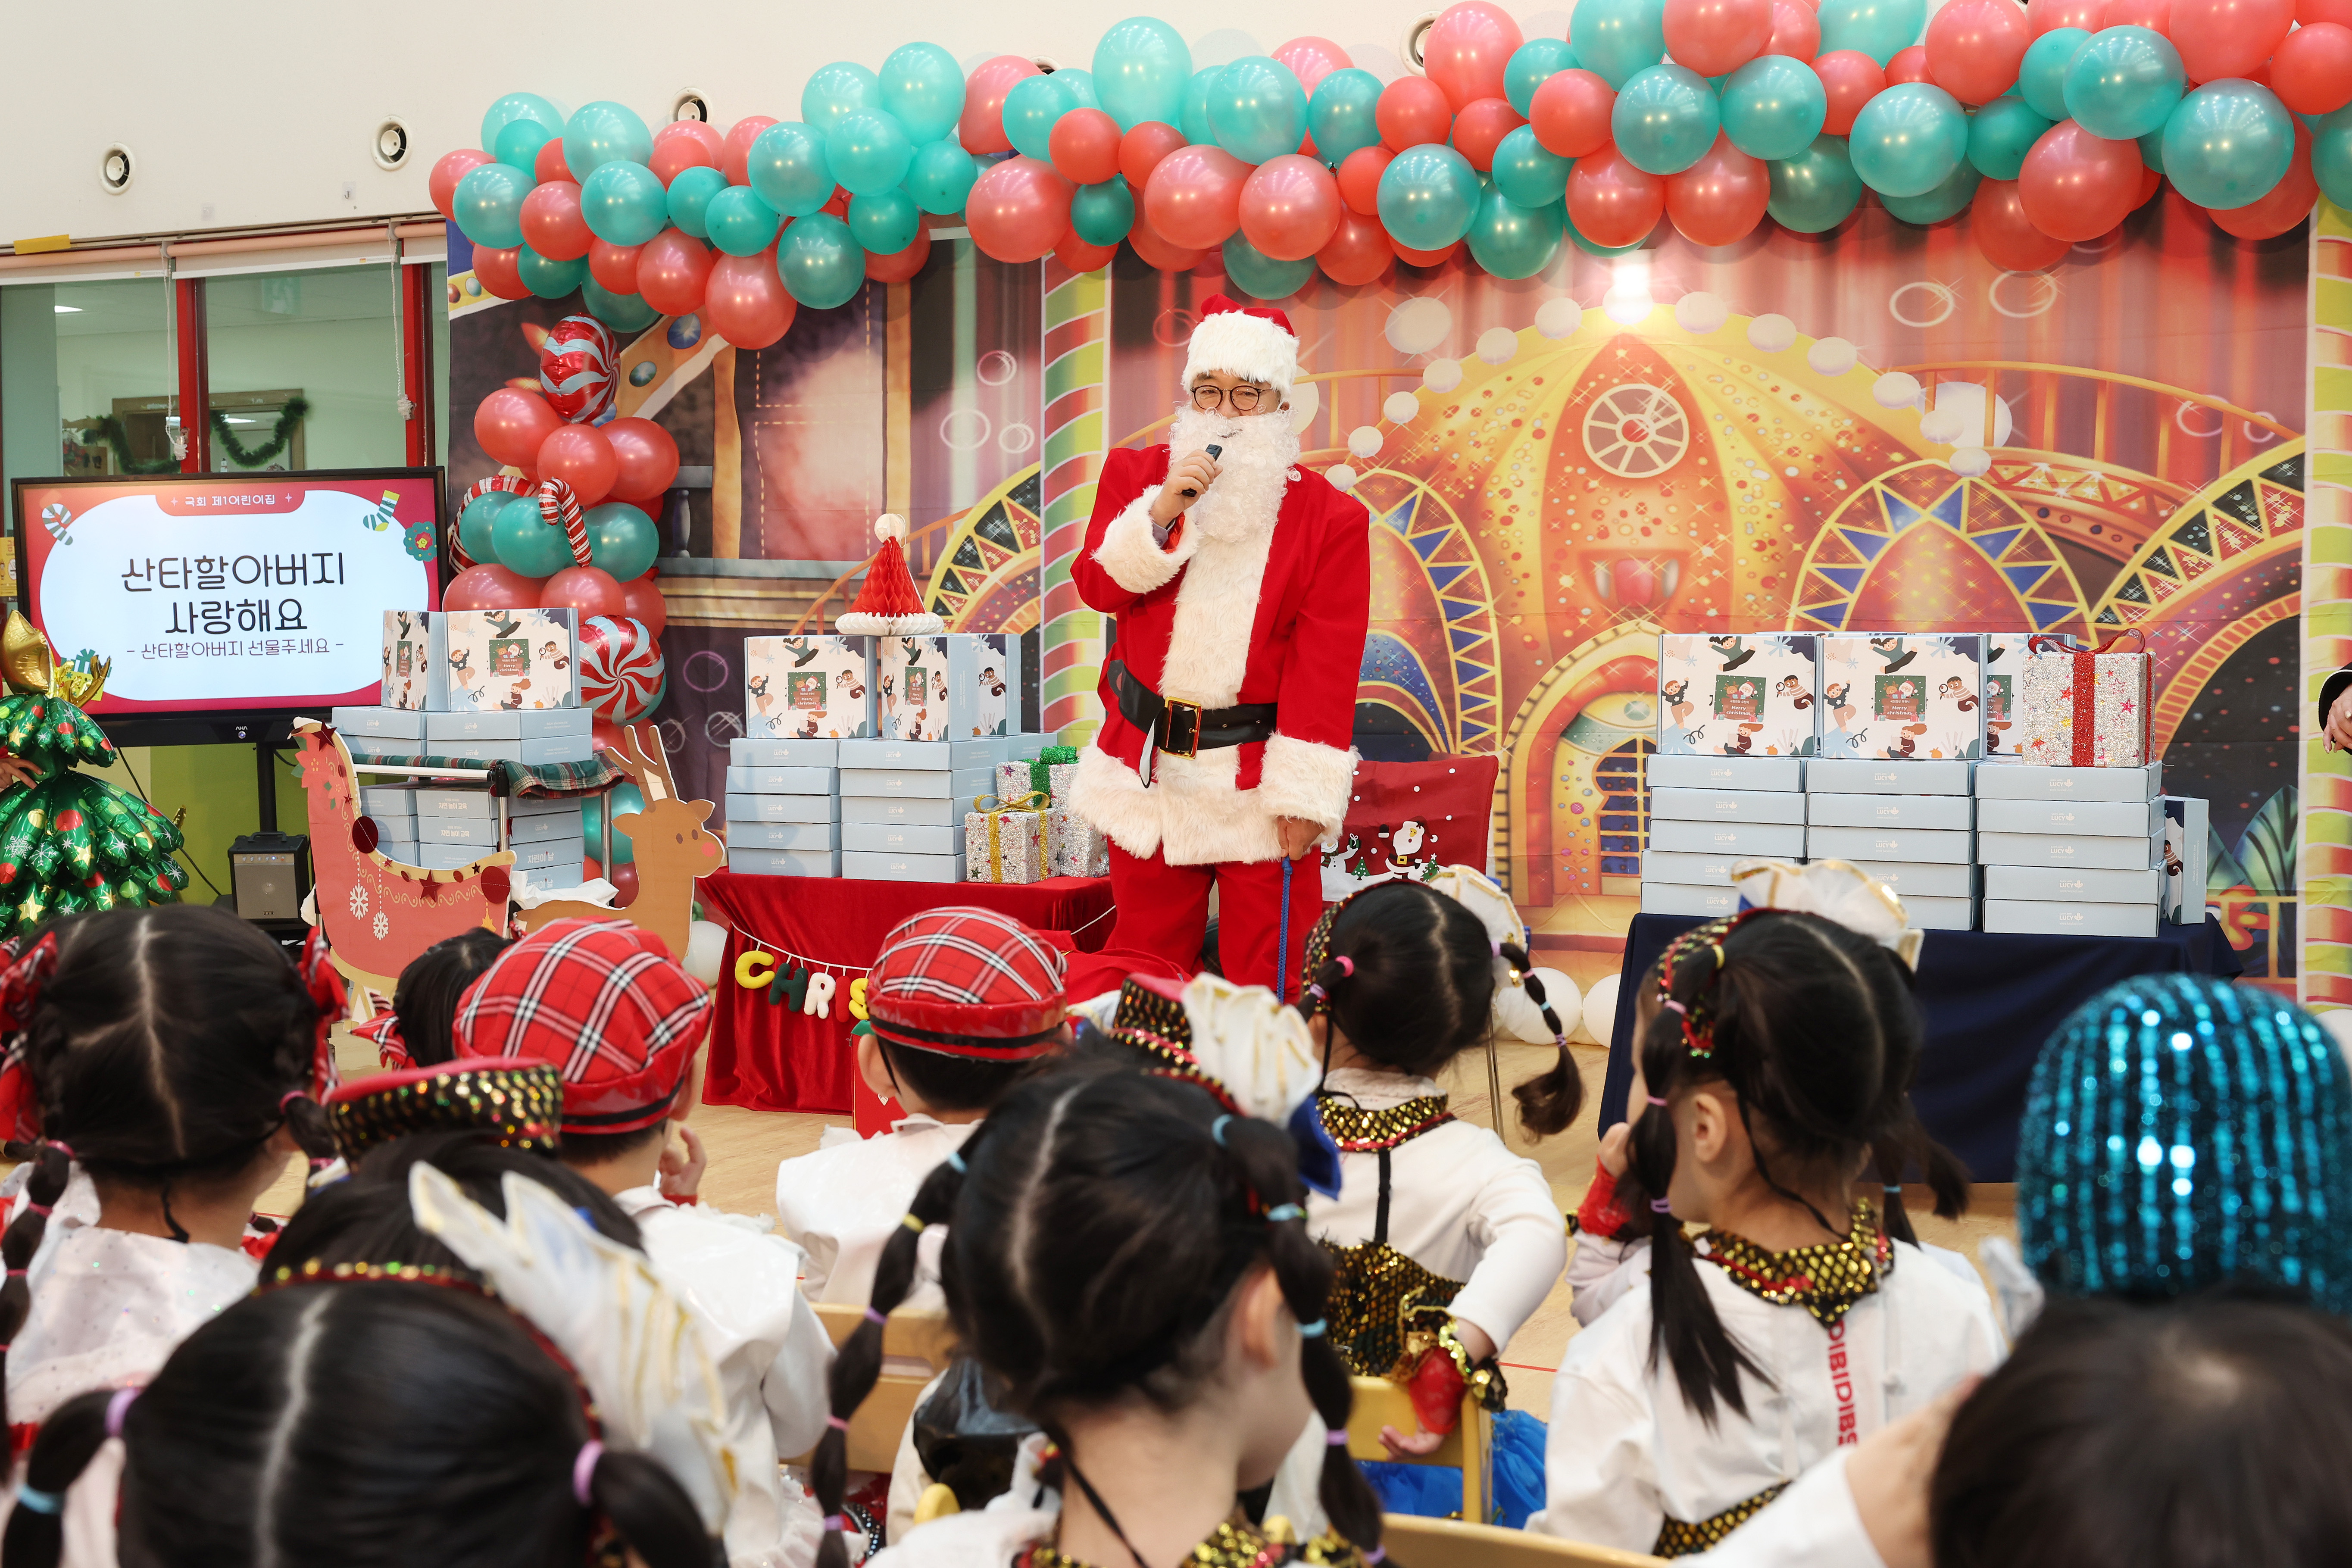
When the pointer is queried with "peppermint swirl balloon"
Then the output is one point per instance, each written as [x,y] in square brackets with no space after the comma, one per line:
[575,368]
[622,669]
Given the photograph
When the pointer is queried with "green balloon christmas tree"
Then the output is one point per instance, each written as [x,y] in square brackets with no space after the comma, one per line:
[68,841]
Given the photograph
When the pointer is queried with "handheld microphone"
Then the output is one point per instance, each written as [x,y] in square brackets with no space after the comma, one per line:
[1214,451]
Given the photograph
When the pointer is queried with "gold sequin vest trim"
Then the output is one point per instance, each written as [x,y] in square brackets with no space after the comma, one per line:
[1232,1545]
[1360,1132]
[1679,1540]
[1374,1289]
[1825,1280]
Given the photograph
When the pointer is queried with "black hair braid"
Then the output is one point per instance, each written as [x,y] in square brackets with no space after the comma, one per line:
[1549,1101]
[67,1441]
[650,1511]
[1908,1148]
[52,1168]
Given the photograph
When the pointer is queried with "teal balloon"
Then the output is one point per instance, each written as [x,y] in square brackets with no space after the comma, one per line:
[1879,29]
[621,539]
[1947,200]
[1514,241]
[519,145]
[1907,140]
[1031,109]
[624,313]
[474,524]
[627,799]
[488,204]
[527,544]
[1817,189]
[820,262]
[1617,39]
[1531,65]
[1192,115]
[602,133]
[1101,215]
[886,222]
[941,177]
[2151,148]
[2331,156]
[1253,272]
[868,152]
[2000,136]
[519,106]
[922,86]
[1140,68]
[1081,85]
[549,280]
[842,87]
[1428,194]
[1664,120]
[2041,76]
[690,195]
[2228,144]
[1526,174]
[1341,114]
[788,169]
[739,223]
[1773,107]
[623,203]
[2123,82]
[1257,108]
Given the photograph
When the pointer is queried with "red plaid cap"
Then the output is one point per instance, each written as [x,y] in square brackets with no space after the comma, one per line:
[966,982]
[606,1004]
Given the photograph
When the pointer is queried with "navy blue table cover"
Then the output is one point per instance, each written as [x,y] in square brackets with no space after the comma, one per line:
[1991,1000]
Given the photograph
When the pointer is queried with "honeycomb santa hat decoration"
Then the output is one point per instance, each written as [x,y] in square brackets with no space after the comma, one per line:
[888,604]
[575,368]
[622,670]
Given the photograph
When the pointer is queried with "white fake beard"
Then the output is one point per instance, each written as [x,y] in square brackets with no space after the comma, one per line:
[1256,455]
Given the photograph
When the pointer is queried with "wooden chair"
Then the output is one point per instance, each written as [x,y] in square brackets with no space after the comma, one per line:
[1450,1543]
[882,1420]
[1469,1448]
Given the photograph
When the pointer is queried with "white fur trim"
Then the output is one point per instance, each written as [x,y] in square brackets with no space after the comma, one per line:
[1216,616]
[1243,345]
[1193,814]
[1307,779]
[1132,557]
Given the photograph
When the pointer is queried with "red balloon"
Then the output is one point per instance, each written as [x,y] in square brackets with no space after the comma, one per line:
[2288,203]
[1158,252]
[1194,197]
[981,128]
[614,267]
[1413,109]
[2312,70]
[624,878]
[1571,114]
[551,222]
[2156,15]
[1079,257]
[1290,206]
[581,456]
[1908,66]
[1085,146]
[442,184]
[2076,186]
[511,425]
[1852,79]
[603,735]
[642,600]
[1140,149]
[2150,181]
[685,145]
[1359,179]
[672,270]
[2047,15]
[1018,210]
[744,301]
[1466,50]
[491,588]
[1719,198]
[1974,48]
[587,589]
[1613,203]
[2339,12]
[1358,250]
[1716,37]
[1311,59]
[1796,31]
[1480,128]
[1426,258]
[1997,221]
[496,271]
[738,154]
[2221,38]
[645,455]
[900,266]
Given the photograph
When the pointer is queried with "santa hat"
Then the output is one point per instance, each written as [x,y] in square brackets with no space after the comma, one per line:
[966,982]
[1254,342]
[888,604]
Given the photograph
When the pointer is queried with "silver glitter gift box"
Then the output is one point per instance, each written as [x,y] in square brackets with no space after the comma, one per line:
[1075,846]
[1004,847]
[2078,708]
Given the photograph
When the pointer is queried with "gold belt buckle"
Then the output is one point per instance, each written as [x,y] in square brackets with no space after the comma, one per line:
[1191,748]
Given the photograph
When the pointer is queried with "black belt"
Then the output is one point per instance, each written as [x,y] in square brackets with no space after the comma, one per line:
[1186,729]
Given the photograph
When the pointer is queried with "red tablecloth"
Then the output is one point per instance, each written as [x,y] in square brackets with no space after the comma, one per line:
[771,1056]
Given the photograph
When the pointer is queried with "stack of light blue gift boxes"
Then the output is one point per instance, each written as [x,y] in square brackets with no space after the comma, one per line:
[862,754]
[478,686]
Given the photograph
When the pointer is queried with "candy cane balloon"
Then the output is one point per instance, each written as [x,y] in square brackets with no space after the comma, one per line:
[559,507]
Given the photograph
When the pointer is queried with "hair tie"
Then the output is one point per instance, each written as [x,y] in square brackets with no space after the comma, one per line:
[1281,1212]
[1335,1439]
[1655,1101]
[15,1274]
[117,1408]
[955,1161]
[1314,991]
[874,1317]
[40,1502]
[1891,1187]
[1497,943]
[911,1222]
[1673,1005]
[1662,1205]
[1376,1556]
[1217,1129]
[836,1422]
[834,1525]
[62,1147]
[1313,1331]
[1347,965]
[1560,1041]
[41,1209]
[290,1095]
[584,1470]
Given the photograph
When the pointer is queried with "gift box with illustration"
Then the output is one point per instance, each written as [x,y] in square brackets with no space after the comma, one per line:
[1755,695]
[1903,698]
[483,660]
[407,663]
[1004,845]
[950,686]
[817,688]
[2077,705]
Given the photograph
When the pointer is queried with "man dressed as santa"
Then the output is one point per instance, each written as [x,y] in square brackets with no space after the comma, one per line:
[1241,584]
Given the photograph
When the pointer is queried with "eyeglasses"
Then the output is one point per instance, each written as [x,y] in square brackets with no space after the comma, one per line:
[1241,399]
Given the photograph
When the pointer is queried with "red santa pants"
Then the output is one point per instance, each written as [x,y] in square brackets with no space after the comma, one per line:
[1163,914]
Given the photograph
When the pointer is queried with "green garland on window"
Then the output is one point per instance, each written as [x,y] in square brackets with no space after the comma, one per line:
[281,435]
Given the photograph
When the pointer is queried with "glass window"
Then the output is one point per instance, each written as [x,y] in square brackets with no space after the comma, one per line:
[302,371]
[85,375]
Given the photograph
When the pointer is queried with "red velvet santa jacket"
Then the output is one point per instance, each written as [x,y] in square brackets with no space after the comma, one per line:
[1274,616]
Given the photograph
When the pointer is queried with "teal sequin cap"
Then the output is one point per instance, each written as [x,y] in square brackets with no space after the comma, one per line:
[2180,1131]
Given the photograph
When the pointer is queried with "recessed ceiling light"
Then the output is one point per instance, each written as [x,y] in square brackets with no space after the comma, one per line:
[67,309]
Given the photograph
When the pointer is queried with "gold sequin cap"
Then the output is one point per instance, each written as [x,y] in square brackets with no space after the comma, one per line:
[519,1100]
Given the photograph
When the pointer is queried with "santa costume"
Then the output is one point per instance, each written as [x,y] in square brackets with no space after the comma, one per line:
[1229,696]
